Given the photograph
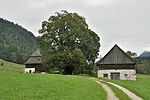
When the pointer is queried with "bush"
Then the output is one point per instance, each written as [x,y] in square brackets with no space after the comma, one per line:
[2,64]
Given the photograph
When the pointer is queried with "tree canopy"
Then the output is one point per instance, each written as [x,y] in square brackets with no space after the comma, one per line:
[67,42]
[131,54]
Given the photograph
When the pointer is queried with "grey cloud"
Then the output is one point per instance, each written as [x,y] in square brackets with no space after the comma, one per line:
[125,22]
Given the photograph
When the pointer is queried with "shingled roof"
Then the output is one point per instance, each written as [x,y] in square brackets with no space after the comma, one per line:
[35,58]
[116,56]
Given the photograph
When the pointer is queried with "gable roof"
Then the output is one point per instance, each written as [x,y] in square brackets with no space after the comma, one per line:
[116,56]
[35,58]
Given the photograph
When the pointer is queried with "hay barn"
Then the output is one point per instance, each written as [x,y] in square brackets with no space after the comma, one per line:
[117,65]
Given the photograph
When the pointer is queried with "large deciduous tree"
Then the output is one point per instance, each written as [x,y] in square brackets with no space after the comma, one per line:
[67,42]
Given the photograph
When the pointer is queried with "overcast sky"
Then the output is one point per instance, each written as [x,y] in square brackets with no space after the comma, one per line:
[122,22]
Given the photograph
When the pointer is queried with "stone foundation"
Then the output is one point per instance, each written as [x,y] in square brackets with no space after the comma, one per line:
[125,74]
[29,70]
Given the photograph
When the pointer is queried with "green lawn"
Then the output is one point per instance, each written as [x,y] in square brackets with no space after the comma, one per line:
[20,86]
[11,67]
[141,86]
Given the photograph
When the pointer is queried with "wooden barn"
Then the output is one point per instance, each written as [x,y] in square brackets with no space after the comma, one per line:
[34,63]
[116,65]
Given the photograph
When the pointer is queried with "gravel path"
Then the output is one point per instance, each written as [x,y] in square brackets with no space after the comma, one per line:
[110,93]
[129,93]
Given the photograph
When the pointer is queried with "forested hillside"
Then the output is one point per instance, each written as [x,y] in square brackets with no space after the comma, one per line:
[143,65]
[16,43]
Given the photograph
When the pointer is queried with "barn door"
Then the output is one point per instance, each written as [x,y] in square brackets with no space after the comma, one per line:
[115,76]
[30,71]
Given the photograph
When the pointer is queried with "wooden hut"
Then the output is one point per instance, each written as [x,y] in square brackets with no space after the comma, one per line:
[34,63]
[116,64]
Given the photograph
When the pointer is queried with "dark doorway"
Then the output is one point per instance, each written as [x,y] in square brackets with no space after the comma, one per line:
[30,71]
[68,70]
[115,76]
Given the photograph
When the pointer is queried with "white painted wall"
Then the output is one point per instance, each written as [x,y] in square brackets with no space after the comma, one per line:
[27,70]
[131,74]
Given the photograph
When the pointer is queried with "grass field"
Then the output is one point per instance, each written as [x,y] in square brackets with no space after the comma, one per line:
[20,86]
[141,86]
[12,67]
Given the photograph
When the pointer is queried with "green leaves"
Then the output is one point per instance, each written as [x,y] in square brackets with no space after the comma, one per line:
[68,34]
[131,54]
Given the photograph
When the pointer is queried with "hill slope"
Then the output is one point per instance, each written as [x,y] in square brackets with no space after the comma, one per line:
[145,54]
[17,86]
[16,43]
[10,67]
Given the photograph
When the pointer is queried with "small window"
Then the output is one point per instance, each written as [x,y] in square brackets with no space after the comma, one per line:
[126,75]
[105,75]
